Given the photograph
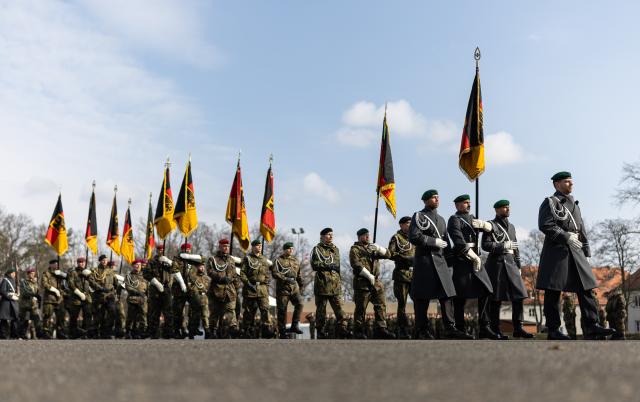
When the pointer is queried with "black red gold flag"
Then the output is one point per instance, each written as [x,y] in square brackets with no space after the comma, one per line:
[268,217]
[386,186]
[128,247]
[236,214]
[91,232]
[164,210]
[471,158]
[113,236]
[185,213]
[56,236]
[149,241]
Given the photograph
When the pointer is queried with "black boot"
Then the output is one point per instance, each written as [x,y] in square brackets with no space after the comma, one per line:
[519,332]
[556,335]
[383,333]
[359,335]
[596,330]
[404,334]
[343,333]
[452,332]
[267,332]
[485,332]
[295,328]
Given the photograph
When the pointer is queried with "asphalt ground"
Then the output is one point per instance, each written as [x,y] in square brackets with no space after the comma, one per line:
[328,370]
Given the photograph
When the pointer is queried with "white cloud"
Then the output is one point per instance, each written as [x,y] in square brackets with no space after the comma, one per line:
[357,137]
[522,233]
[343,242]
[441,131]
[501,149]
[315,185]
[384,219]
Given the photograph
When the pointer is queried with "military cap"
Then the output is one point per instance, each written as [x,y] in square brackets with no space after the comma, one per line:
[54,261]
[144,261]
[10,270]
[256,242]
[561,176]
[102,257]
[160,246]
[428,194]
[405,219]
[30,269]
[462,198]
[81,259]
[185,247]
[362,231]
[223,242]
[287,245]
[138,261]
[325,231]
[501,203]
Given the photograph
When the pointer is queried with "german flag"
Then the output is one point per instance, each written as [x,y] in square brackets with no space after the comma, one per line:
[113,237]
[472,145]
[91,232]
[268,217]
[386,187]
[128,247]
[149,240]
[164,210]
[57,233]
[237,212]
[185,212]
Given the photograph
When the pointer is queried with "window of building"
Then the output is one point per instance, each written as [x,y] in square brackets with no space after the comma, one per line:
[637,326]
[532,312]
[636,301]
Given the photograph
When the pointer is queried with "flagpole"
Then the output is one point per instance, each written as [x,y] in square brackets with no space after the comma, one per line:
[375,218]
[233,221]
[476,56]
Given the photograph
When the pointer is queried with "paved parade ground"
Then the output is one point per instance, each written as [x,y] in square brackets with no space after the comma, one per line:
[253,370]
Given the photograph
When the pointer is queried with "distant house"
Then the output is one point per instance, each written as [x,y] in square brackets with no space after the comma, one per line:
[633,318]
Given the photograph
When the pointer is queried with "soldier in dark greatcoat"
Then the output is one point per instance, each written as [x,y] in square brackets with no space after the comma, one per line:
[564,264]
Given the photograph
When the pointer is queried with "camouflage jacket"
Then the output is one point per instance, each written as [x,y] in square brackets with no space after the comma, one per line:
[137,288]
[325,261]
[615,308]
[103,281]
[75,280]
[286,271]
[49,280]
[361,257]
[255,276]
[162,273]
[224,277]
[198,285]
[28,290]
[402,252]
[185,269]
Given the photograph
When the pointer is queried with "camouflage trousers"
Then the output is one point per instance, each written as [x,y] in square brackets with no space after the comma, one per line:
[617,324]
[321,312]
[178,306]
[29,313]
[362,298]
[251,306]
[48,324]
[136,323]
[198,311]
[104,313]
[120,318]
[281,307]
[223,314]
[401,291]
[160,304]
[74,312]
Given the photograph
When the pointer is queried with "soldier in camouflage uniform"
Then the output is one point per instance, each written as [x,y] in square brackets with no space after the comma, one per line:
[569,312]
[159,275]
[402,252]
[103,282]
[137,290]
[198,284]
[51,283]
[286,272]
[364,259]
[120,320]
[311,319]
[617,314]
[327,286]
[181,270]
[255,278]
[79,299]
[223,292]
[28,304]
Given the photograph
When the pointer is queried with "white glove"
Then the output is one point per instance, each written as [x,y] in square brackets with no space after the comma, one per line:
[269,262]
[191,257]
[510,245]
[86,272]
[178,277]
[238,271]
[120,278]
[482,225]
[15,297]
[80,294]
[157,284]
[165,260]
[477,262]
[236,260]
[377,249]
[365,272]
[35,299]
[62,274]
[54,291]
[10,294]
[441,243]
[589,260]
[573,242]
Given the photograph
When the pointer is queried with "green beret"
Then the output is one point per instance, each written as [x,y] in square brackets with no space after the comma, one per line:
[461,198]
[326,231]
[10,270]
[428,194]
[256,242]
[501,203]
[287,245]
[362,231]
[405,219]
[561,176]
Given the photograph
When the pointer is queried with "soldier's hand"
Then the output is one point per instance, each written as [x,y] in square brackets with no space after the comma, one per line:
[86,272]
[510,245]
[441,243]
[482,225]
[377,249]
[574,242]
[15,297]
[291,280]
[60,273]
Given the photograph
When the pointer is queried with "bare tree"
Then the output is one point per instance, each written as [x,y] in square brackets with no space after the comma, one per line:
[629,190]
[530,250]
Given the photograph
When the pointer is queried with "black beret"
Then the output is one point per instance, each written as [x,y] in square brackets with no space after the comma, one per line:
[325,231]
[256,242]
[287,245]
[53,261]
[10,270]
[428,194]
[561,176]
[362,231]
[405,219]
[461,198]
[501,203]
[102,257]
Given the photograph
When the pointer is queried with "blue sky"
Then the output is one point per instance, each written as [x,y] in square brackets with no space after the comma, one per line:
[106,90]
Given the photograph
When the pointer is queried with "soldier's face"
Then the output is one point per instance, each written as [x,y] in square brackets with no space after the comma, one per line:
[160,251]
[503,211]
[53,267]
[103,262]
[405,227]
[224,248]
[31,275]
[463,206]
[257,249]
[12,275]
[137,267]
[328,238]
[289,252]
[364,238]
[433,202]
[564,186]
[201,268]
[82,264]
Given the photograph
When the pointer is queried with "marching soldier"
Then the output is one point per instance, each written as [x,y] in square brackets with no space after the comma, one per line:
[9,305]
[137,290]
[564,264]
[617,313]
[120,316]
[181,270]
[79,299]
[103,282]
[51,284]
[327,286]
[28,304]
[470,279]
[364,259]
[431,273]
[199,283]
[255,278]
[222,268]
[503,267]
[286,272]
[160,277]
[402,253]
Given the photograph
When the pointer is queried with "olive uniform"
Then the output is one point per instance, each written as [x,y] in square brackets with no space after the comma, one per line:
[179,297]
[198,284]
[103,282]
[223,294]
[159,300]
[286,272]
[255,292]
[617,314]
[79,286]
[28,306]
[137,289]
[402,253]
[52,304]
[327,286]
[569,315]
